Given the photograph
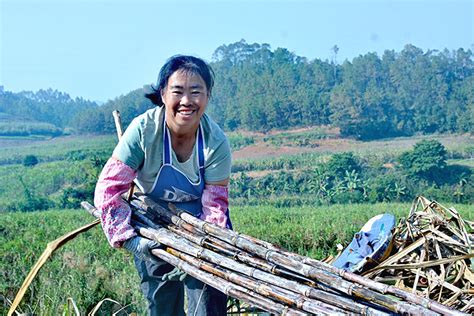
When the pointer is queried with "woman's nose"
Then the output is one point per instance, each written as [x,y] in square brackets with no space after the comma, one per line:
[185,99]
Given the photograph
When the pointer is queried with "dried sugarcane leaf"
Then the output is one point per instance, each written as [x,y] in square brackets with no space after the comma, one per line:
[425,264]
[395,258]
[417,276]
[468,275]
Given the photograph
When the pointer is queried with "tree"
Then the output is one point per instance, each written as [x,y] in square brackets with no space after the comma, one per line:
[339,164]
[360,106]
[30,161]
[426,161]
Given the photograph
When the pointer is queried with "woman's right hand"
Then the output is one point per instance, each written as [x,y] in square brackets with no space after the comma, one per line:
[141,247]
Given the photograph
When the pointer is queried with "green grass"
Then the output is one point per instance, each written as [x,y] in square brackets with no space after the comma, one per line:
[13,152]
[88,270]
[463,162]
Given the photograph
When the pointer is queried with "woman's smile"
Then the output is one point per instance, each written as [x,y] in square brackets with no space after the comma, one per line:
[185,98]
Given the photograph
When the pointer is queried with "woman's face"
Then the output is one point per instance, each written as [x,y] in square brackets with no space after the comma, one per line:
[185,99]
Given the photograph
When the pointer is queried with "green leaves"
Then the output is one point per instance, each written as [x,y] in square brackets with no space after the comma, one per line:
[30,161]
[425,161]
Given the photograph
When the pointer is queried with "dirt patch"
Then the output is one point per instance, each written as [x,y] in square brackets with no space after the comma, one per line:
[262,150]
[265,150]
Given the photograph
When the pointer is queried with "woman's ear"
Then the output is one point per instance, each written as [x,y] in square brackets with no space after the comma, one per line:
[162,95]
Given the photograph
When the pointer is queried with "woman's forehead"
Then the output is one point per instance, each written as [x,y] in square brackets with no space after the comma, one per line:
[185,77]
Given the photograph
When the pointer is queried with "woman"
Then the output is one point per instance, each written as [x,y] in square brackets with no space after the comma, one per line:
[175,153]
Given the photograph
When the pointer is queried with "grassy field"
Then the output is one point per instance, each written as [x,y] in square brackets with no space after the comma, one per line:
[245,147]
[88,270]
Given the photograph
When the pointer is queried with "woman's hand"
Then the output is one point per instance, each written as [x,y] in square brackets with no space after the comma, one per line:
[141,247]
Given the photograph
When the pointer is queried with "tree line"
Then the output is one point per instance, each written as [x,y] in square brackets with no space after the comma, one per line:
[45,112]
[398,94]
[260,89]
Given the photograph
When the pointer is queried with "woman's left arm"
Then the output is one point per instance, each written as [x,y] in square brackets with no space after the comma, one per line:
[215,202]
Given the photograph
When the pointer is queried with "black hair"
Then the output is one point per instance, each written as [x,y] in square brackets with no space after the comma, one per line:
[188,64]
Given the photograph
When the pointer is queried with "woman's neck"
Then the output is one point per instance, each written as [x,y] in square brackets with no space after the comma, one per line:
[183,145]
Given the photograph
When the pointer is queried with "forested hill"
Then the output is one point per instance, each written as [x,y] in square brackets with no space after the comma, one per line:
[45,112]
[259,89]
[369,97]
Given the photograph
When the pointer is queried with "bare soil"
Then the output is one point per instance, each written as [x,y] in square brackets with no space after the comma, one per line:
[262,149]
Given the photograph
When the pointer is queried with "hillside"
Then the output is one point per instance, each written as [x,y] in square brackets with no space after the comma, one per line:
[18,126]
[301,166]
[45,112]
[260,89]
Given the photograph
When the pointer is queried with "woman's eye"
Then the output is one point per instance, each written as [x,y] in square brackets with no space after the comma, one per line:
[196,92]
[176,92]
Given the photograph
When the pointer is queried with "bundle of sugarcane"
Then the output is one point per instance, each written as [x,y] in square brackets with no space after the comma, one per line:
[432,256]
[264,275]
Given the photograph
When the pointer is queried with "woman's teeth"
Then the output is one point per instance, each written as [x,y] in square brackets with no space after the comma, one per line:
[186,112]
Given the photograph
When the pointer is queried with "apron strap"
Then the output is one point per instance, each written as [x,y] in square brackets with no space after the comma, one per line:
[167,150]
[201,151]
[166,144]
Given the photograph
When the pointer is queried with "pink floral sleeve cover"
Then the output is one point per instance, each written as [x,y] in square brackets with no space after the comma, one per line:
[215,201]
[115,179]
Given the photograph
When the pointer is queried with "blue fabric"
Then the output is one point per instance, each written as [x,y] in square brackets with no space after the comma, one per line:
[167,297]
[369,244]
[171,185]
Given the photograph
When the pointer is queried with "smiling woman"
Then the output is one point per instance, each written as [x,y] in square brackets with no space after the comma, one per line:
[174,153]
[185,98]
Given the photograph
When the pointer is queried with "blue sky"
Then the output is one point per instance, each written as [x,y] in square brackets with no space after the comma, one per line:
[100,49]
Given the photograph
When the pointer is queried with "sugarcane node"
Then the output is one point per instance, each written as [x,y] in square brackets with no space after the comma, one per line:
[235,238]
[252,272]
[300,302]
[199,253]
[273,268]
[256,286]
[203,241]
[268,254]
[350,289]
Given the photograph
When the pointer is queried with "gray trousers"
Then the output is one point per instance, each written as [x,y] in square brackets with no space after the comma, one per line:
[167,297]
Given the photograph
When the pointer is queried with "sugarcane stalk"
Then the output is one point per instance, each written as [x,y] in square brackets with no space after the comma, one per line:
[217,245]
[379,287]
[273,256]
[226,287]
[289,263]
[165,237]
[336,300]
[284,296]
[91,209]
[334,303]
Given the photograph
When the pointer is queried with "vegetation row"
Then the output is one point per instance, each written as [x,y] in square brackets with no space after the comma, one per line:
[305,179]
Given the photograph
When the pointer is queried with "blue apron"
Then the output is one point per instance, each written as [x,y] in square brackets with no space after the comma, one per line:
[172,185]
[167,297]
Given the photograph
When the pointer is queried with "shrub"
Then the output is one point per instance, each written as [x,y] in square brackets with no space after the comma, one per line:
[340,163]
[426,161]
[30,161]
